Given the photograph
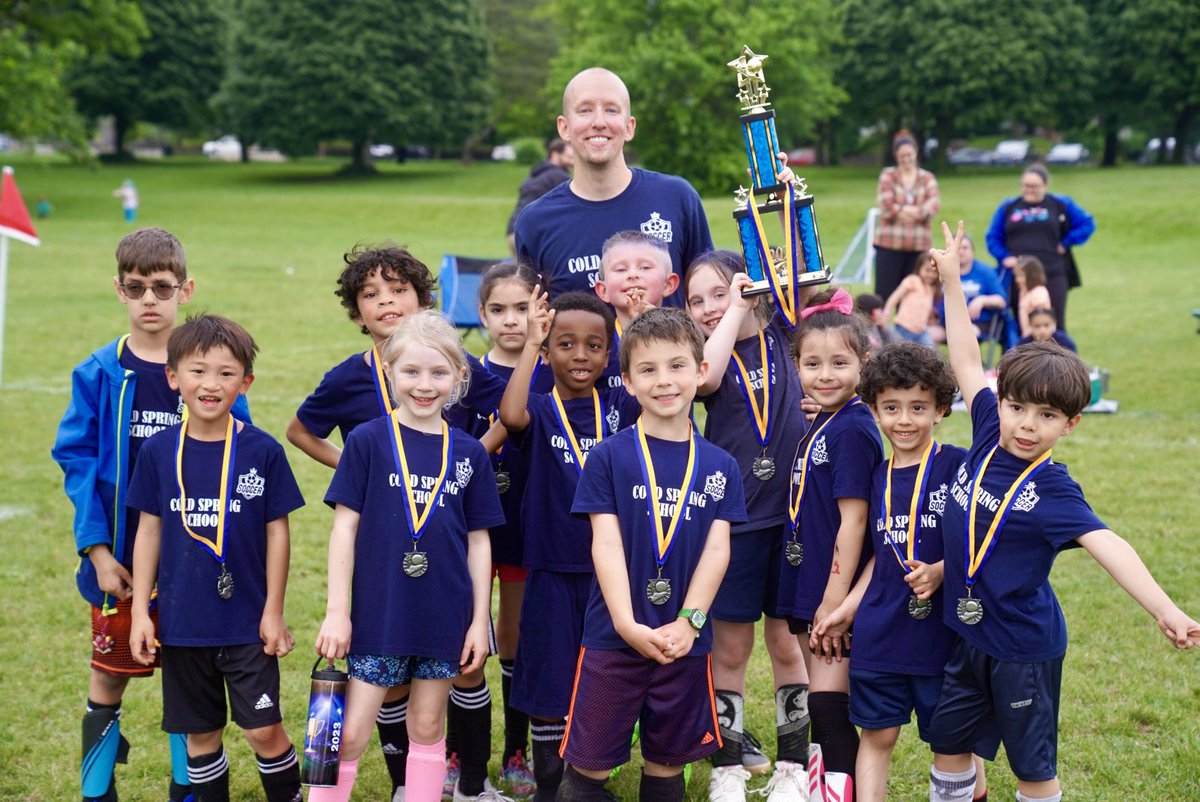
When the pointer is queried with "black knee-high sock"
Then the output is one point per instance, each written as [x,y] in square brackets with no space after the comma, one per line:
[547,765]
[661,789]
[831,728]
[392,723]
[577,787]
[474,706]
[729,719]
[280,777]
[791,724]
[516,723]
[210,776]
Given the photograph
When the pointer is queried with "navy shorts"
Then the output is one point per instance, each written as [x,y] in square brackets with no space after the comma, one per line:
[750,589]
[616,688]
[195,679]
[879,699]
[551,632]
[986,701]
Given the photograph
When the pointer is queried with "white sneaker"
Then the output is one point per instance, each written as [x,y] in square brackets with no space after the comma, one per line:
[788,783]
[399,795]
[727,784]
[489,794]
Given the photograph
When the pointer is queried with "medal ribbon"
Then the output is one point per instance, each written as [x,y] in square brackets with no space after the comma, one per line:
[761,417]
[217,546]
[381,386]
[796,498]
[418,522]
[914,507]
[975,559]
[786,298]
[665,540]
[560,412]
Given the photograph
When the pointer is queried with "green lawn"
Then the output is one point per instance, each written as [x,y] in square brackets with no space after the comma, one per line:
[264,243]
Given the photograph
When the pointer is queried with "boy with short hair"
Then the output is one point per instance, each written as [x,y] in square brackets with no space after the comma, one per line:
[635,275]
[119,398]
[1002,531]
[214,496]
[660,545]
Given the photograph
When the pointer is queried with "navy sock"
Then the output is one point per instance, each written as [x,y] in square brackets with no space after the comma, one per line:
[578,787]
[474,713]
[516,723]
[547,765]
[831,728]
[392,724]
[661,789]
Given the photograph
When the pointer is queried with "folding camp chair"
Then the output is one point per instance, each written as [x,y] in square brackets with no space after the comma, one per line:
[460,277]
[992,336]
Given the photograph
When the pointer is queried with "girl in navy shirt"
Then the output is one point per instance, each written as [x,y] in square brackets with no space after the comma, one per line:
[827,504]
[752,397]
[413,500]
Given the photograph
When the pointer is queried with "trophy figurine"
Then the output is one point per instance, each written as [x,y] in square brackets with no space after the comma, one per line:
[800,261]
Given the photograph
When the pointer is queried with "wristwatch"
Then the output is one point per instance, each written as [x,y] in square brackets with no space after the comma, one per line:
[696,618]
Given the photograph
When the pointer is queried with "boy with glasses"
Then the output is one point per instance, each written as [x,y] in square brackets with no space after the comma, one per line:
[119,398]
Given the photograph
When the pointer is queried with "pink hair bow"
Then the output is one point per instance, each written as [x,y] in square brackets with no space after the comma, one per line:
[840,302]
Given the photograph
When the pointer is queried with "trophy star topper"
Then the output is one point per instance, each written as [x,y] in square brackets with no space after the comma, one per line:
[752,85]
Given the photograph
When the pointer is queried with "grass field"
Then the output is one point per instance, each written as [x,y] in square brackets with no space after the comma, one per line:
[264,244]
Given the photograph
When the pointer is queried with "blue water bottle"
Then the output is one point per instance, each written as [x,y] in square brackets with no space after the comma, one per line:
[323,734]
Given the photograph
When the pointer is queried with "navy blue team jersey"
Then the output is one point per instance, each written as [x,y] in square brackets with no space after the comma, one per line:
[844,455]
[392,613]
[886,637]
[562,235]
[190,613]
[1022,621]
[554,539]
[613,483]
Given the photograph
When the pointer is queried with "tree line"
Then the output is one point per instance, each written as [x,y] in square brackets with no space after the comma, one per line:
[454,74]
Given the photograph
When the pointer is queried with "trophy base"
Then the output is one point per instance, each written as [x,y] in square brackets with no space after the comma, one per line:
[805,279]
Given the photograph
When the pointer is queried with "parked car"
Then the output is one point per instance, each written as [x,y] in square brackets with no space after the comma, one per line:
[504,153]
[970,156]
[1067,153]
[382,150]
[1012,152]
[226,149]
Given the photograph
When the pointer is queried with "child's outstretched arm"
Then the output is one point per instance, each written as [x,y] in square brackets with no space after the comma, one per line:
[146,549]
[514,406]
[479,566]
[1123,563]
[333,641]
[608,555]
[965,358]
[719,347]
[322,449]
[273,630]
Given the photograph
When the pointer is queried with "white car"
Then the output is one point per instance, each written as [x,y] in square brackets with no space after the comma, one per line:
[1012,151]
[1067,153]
[226,149]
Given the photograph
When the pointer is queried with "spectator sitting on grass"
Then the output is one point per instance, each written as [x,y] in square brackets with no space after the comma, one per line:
[1043,327]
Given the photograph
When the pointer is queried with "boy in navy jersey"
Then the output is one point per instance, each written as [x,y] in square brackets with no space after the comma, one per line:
[1010,511]
[555,432]
[378,288]
[660,544]
[214,496]
[119,398]
[901,644]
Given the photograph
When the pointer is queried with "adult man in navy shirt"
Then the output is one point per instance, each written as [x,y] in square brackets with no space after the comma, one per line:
[561,233]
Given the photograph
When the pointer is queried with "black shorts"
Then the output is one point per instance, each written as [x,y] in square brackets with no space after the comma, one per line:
[195,679]
[802,627]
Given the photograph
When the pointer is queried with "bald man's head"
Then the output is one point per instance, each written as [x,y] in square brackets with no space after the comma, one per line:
[595,79]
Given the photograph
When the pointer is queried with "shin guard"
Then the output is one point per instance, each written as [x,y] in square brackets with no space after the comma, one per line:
[103,748]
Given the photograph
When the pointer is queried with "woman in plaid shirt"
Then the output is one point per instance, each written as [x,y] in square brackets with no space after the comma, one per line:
[908,199]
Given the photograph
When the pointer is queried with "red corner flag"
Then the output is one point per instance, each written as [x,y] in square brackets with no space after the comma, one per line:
[14,217]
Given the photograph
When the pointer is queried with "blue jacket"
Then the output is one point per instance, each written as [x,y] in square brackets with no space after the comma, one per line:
[1078,226]
[92,448]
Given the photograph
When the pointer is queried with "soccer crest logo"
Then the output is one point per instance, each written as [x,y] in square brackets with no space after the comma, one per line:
[657,227]
[251,485]
[1028,499]
[463,472]
[819,453]
[714,486]
[613,418]
[937,500]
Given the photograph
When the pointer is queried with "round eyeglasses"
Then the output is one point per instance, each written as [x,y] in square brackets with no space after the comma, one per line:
[163,290]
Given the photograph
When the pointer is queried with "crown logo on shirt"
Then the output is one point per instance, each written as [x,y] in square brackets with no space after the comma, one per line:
[463,472]
[1028,498]
[714,486]
[937,500]
[614,420]
[251,485]
[657,227]
[820,454]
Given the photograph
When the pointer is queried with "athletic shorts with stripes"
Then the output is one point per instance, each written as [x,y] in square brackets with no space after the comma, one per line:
[616,688]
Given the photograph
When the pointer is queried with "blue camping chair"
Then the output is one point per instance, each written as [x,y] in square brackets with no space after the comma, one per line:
[460,277]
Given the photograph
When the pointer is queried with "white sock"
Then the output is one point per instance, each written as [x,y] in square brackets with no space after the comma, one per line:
[951,786]
[1056,798]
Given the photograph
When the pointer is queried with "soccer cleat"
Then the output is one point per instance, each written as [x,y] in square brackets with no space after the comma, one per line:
[489,794]
[787,784]
[753,759]
[727,784]
[452,772]
[518,776]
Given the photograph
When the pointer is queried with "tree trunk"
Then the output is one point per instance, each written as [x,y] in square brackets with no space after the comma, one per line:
[943,129]
[120,131]
[245,159]
[1161,156]
[1109,159]
[833,156]
[1183,123]
[360,155]
[483,133]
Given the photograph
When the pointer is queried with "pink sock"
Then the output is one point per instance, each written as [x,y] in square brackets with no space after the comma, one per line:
[340,792]
[425,771]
